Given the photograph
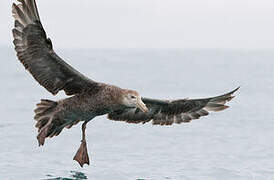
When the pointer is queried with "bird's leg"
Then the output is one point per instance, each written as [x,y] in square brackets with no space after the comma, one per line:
[82,154]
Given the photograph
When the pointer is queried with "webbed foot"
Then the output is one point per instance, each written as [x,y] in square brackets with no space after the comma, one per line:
[82,154]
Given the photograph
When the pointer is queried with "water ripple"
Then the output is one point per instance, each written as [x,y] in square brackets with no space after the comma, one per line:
[74,176]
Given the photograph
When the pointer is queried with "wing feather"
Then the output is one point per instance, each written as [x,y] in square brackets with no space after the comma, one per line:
[35,52]
[168,112]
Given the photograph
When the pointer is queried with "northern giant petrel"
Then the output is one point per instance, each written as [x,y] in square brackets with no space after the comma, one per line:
[89,98]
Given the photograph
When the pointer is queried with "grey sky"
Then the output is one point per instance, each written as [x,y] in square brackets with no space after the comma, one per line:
[152,23]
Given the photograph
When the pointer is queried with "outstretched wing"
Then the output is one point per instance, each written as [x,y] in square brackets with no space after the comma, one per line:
[35,52]
[169,112]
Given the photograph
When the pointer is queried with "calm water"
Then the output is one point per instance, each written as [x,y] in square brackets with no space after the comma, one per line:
[234,144]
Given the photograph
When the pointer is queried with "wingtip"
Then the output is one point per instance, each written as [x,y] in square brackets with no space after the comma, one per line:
[237,88]
[232,92]
[13,6]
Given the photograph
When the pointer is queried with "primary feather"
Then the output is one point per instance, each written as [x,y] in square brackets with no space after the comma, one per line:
[35,52]
[168,112]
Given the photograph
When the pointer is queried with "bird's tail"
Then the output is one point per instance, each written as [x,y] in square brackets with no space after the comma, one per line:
[45,117]
[50,120]
[218,103]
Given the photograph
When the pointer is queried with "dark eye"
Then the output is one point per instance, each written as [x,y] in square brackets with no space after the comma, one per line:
[133,97]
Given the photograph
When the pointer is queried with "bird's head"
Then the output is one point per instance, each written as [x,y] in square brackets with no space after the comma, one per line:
[133,99]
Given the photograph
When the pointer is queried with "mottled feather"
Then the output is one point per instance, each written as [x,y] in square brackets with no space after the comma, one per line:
[35,52]
[168,112]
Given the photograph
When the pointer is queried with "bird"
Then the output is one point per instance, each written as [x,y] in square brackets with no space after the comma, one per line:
[88,98]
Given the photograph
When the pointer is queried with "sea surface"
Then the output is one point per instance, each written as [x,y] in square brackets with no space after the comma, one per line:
[235,144]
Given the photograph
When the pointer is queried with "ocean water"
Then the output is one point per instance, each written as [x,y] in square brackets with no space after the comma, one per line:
[233,144]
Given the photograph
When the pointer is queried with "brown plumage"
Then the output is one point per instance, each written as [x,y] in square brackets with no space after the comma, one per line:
[89,98]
